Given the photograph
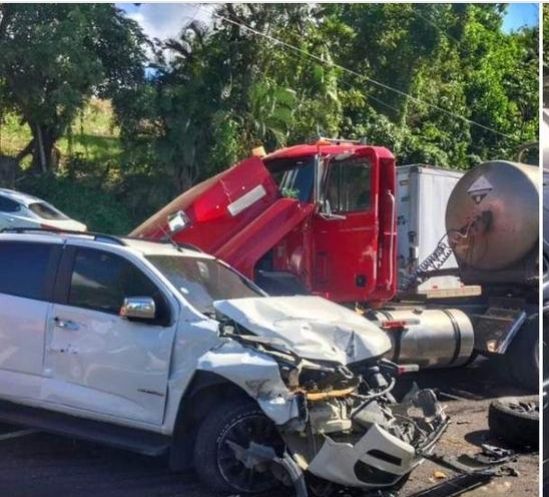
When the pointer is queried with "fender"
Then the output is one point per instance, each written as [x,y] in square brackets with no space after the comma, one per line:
[256,374]
[228,371]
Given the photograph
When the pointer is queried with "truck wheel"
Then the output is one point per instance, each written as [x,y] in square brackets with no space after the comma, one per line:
[222,438]
[522,358]
[515,420]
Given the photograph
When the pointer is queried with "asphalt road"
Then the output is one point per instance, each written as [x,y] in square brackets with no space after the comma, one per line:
[42,465]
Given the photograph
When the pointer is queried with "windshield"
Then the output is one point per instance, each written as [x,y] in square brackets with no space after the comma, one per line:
[295,178]
[45,211]
[203,281]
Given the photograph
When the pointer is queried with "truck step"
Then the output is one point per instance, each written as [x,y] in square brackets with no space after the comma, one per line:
[134,440]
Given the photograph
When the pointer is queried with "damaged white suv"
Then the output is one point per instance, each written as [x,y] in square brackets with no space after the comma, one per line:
[159,349]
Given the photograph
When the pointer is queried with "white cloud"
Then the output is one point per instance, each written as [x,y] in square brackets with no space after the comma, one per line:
[165,20]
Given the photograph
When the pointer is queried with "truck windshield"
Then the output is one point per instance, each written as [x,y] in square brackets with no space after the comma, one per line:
[203,281]
[295,178]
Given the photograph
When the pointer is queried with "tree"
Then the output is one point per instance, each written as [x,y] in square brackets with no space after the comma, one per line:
[219,90]
[55,56]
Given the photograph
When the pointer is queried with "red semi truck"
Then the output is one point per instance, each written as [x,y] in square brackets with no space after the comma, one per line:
[321,219]
[315,217]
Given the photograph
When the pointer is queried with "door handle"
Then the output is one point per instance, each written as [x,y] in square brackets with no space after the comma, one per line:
[66,325]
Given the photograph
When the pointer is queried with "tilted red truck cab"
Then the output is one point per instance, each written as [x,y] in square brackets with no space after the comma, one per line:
[318,218]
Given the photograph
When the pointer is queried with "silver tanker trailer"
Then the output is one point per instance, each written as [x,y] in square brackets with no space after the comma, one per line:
[492,220]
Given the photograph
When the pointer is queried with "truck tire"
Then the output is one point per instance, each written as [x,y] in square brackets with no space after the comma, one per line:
[522,357]
[515,420]
[216,462]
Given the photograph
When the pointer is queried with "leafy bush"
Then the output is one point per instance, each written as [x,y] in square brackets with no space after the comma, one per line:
[100,210]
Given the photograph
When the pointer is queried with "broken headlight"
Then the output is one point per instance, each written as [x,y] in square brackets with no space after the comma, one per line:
[316,377]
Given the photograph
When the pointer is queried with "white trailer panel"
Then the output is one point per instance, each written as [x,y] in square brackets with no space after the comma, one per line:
[422,195]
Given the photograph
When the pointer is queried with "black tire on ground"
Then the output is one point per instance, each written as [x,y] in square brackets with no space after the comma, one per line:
[515,420]
[522,357]
[214,461]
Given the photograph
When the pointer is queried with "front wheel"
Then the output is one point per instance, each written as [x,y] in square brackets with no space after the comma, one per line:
[220,452]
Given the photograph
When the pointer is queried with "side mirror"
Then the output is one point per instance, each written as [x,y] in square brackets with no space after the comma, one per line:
[142,308]
[326,208]
[327,213]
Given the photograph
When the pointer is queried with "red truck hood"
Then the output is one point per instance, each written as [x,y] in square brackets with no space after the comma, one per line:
[237,215]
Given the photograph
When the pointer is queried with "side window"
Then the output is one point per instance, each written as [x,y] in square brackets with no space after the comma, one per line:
[8,205]
[349,185]
[27,269]
[101,281]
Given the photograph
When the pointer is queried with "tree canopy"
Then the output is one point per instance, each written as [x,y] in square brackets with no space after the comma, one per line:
[55,56]
[441,84]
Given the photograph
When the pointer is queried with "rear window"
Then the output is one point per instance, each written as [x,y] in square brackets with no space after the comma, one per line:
[26,269]
[8,205]
[46,211]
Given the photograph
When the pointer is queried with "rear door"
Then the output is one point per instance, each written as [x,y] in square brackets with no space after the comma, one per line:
[97,361]
[27,275]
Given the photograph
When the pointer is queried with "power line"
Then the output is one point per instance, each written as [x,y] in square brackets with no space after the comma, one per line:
[354,73]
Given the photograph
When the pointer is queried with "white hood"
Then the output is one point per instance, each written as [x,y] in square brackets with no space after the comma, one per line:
[312,327]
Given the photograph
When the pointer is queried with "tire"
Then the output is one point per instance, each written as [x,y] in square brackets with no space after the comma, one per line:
[515,420]
[522,357]
[216,463]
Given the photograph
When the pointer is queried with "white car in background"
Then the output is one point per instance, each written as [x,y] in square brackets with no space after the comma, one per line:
[19,210]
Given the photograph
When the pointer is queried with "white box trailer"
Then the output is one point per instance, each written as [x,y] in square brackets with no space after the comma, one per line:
[422,195]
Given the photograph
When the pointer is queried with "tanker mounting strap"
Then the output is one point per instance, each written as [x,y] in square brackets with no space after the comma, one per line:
[439,256]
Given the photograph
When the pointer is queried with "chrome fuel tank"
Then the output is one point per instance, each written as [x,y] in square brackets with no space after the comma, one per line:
[429,338]
[492,215]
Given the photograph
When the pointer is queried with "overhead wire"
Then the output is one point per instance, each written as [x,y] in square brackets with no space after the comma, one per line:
[319,59]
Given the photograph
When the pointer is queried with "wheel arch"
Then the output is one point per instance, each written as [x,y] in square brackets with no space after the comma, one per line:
[205,390]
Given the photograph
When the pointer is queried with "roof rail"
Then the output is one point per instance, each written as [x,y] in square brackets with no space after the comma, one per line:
[96,236]
[166,240]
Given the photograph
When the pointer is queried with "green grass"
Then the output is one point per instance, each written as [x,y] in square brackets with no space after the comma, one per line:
[13,135]
[93,135]
[87,184]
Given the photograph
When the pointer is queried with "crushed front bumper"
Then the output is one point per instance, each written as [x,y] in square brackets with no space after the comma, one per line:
[378,459]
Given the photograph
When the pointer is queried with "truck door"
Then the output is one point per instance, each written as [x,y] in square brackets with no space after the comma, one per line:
[354,227]
[96,360]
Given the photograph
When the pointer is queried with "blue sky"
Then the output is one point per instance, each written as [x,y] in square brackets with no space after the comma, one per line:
[164,20]
[520,14]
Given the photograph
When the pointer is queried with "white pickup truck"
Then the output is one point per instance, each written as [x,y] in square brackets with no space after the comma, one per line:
[161,349]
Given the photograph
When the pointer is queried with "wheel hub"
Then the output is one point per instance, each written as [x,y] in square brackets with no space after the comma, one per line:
[245,454]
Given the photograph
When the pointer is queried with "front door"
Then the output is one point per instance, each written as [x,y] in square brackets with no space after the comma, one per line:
[97,361]
[346,229]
